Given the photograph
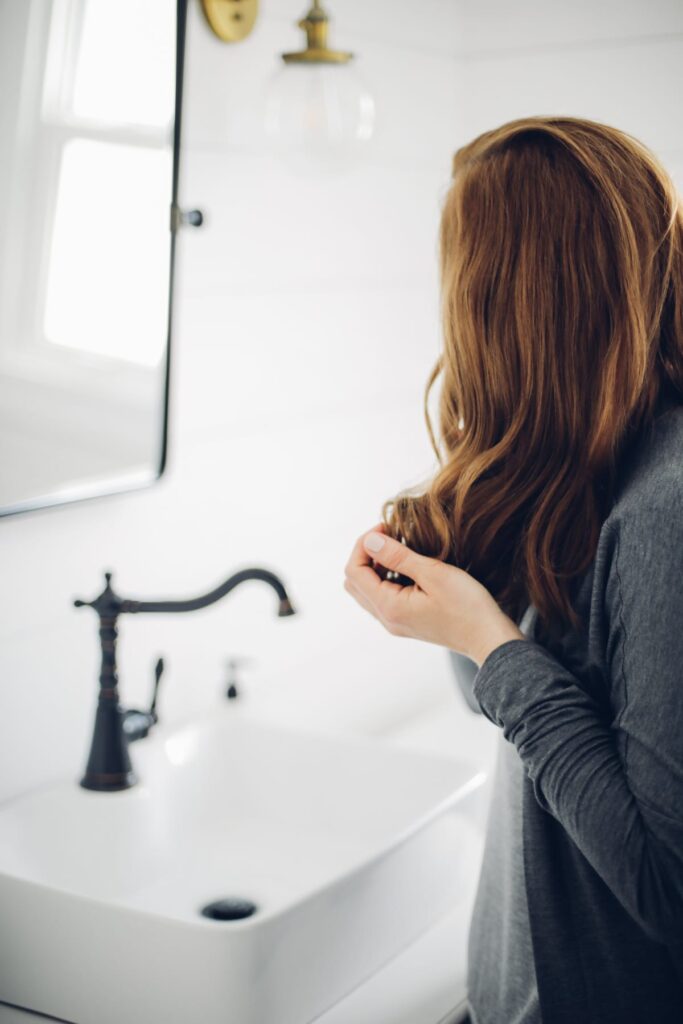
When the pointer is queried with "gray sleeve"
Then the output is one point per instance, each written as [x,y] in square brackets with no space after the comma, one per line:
[615,786]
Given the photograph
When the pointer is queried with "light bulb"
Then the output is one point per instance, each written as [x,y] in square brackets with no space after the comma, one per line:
[319,117]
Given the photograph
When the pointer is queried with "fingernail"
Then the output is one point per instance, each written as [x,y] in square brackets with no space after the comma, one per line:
[374,542]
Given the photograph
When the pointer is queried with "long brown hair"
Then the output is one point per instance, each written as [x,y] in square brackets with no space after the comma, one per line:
[561,258]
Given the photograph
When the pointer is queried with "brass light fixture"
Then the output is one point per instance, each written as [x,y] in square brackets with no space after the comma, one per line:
[231,20]
[315,118]
[315,25]
[319,114]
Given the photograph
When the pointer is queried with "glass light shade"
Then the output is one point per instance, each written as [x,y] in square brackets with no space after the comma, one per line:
[319,117]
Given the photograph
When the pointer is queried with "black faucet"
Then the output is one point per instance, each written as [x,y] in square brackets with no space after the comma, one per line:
[109,767]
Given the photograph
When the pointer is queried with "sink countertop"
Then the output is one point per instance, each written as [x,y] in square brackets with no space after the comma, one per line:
[426,984]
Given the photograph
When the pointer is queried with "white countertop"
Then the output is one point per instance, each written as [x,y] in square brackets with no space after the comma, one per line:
[426,984]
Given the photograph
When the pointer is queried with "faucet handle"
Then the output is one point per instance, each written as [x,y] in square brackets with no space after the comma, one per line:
[158,672]
[108,604]
[136,724]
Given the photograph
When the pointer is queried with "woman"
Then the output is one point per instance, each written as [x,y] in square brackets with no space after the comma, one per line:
[548,549]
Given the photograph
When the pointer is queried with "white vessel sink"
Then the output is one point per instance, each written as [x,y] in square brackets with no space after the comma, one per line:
[349,847]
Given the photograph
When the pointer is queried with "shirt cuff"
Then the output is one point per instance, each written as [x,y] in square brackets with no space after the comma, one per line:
[500,678]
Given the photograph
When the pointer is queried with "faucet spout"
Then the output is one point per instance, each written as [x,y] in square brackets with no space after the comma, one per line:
[204,600]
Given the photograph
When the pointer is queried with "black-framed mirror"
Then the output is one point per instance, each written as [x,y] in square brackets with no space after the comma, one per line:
[90,111]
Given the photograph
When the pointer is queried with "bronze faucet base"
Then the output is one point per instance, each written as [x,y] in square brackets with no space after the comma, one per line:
[109,783]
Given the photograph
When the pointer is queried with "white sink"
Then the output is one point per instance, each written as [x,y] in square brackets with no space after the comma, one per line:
[350,848]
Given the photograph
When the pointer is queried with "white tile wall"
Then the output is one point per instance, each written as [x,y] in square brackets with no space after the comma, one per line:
[306,324]
[499,26]
[635,86]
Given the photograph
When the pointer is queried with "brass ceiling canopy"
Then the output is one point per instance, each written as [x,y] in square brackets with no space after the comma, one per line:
[315,25]
[231,20]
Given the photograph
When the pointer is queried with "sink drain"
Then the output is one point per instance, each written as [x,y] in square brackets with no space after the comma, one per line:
[232,908]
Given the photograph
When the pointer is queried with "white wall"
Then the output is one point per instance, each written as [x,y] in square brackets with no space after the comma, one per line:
[306,323]
[616,62]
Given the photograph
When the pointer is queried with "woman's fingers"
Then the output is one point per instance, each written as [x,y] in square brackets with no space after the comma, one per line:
[360,572]
[359,555]
[395,606]
[390,611]
[360,598]
[398,557]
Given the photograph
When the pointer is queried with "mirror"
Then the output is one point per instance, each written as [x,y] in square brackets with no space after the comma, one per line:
[89,118]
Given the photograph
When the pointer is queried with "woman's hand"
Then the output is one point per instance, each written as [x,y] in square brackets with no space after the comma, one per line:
[446,606]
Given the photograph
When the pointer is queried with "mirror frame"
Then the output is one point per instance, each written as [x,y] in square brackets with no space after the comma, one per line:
[85,492]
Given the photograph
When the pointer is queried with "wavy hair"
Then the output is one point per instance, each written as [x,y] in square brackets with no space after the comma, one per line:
[561,266]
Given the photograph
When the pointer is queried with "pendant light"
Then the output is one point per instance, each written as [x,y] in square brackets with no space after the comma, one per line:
[320,116]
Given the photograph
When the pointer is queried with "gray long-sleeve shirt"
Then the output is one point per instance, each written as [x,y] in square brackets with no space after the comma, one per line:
[596,719]
[501,978]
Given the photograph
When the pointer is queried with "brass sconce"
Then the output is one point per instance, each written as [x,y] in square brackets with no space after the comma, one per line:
[231,20]
[315,25]
[315,118]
